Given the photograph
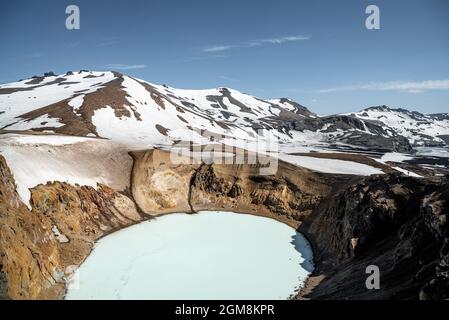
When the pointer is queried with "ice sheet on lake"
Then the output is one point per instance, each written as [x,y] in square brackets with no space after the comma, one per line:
[211,255]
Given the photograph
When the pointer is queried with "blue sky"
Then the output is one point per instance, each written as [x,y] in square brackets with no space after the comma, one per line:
[318,53]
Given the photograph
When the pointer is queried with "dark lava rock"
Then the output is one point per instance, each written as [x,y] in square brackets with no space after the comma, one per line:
[445,138]
[395,222]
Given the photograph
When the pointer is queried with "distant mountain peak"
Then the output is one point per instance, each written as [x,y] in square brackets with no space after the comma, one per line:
[294,107]
[378,108]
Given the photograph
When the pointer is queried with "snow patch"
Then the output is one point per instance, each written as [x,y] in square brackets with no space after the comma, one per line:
[394,157]
[331,165]
[407,172]
[38,159]
[59,236]
[44,121]
[77,102]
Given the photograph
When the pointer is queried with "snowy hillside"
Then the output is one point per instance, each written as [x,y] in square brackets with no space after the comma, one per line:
[135,112]
[419,129]
[121,108]
[37,159]
[20,98]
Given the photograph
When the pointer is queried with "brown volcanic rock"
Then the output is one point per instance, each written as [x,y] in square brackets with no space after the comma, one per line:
[159,183]
[24,244]
[394,222]
[162,184]
[29,256]
[34,261]
[242,188]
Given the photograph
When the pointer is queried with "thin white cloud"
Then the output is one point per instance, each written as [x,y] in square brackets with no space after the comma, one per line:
[279,40]
[400,86]
[217,48]
[256,43]
[206,57]
[118,66]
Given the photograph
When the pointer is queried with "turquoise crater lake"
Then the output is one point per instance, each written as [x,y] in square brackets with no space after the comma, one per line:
[209,255]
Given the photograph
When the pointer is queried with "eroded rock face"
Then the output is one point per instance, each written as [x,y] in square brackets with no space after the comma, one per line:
[29,256]
[39,248]
[394,222]
[161,185]
[435,209]
[280,196]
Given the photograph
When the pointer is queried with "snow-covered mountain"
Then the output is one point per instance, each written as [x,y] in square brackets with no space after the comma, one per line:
[418,128]
[125,109]
[132,111]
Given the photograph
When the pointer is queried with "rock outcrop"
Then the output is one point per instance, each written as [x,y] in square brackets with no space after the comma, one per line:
[40,248]
[161,185]
[395,222]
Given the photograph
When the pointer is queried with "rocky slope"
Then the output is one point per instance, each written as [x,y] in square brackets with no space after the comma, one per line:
[354,131]
[39,249]
[161,186]
[394,222]
[420,129]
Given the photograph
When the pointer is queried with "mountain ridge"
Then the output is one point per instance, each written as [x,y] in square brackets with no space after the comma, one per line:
[115,106]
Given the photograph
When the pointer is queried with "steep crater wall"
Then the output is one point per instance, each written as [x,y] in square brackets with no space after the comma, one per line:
[160,185]
[40,248]
[392,221]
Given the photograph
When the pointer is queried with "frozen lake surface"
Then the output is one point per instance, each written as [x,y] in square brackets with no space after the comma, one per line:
[209,255]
